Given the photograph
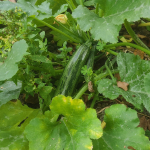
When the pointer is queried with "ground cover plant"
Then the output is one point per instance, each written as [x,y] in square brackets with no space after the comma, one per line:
[49,93]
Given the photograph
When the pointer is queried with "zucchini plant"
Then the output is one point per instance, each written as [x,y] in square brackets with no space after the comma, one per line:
[62,121]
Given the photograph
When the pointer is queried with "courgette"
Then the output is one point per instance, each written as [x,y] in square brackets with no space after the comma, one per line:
[90,61]
[72,70]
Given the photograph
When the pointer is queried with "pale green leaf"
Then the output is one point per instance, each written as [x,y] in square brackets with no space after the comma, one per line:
[99,27]
[134,71]
[114,13]
[121,130]
[41,11]
[8,91]
[9,68]
[11,130]
[72,132]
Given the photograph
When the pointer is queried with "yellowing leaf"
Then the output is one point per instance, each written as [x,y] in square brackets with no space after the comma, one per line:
[73,131]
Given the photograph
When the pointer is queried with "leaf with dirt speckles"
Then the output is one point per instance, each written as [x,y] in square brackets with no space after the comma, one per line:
[121,130]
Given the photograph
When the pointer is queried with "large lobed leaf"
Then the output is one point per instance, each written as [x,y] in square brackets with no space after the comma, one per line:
[121,131]
[134,71]
[8,91]
[9,68]
[11,129]
[41,11]
[72,132]
[115,12]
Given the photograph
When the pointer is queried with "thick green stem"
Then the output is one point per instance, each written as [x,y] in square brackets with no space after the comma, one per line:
[112,52]
[72,34]
[133,35]
[81,2]
[144,24]
[97,9]
[128,44]
[85,86]
[110,73]
[55,29]
[71,4]
[94,100]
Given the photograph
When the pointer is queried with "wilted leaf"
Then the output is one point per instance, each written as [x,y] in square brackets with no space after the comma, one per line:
[117,76]
[140,53]
[143,123]
[72,132]
[121,130]
[148,124]
[122,85]
[90,86]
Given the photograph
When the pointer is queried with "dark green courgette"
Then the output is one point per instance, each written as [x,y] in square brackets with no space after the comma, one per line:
[90,61]
[72,70]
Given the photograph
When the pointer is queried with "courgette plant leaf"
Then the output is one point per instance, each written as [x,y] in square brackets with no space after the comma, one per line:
[56,4]
[114,13]
[9,68]
[11,130]
[72,132]
[121,130]
[8,91]
[134,71]
[41,11]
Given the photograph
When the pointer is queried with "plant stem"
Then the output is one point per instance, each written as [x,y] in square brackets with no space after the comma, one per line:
[112,52]
[94,100]
[133,35]
[71,4]
[128,44]
[110,72]
[81,2]
[72,34]
[97,8]
[57,30]
[101,13]
[85,86]
[144,24]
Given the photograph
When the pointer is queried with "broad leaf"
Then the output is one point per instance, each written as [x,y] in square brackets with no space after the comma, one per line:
[134,71]
[8,91]
[41,11]
[115,12]
[9,68]
[121,130]
[72,132]
[99,27]
[56,4]
[11,130]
